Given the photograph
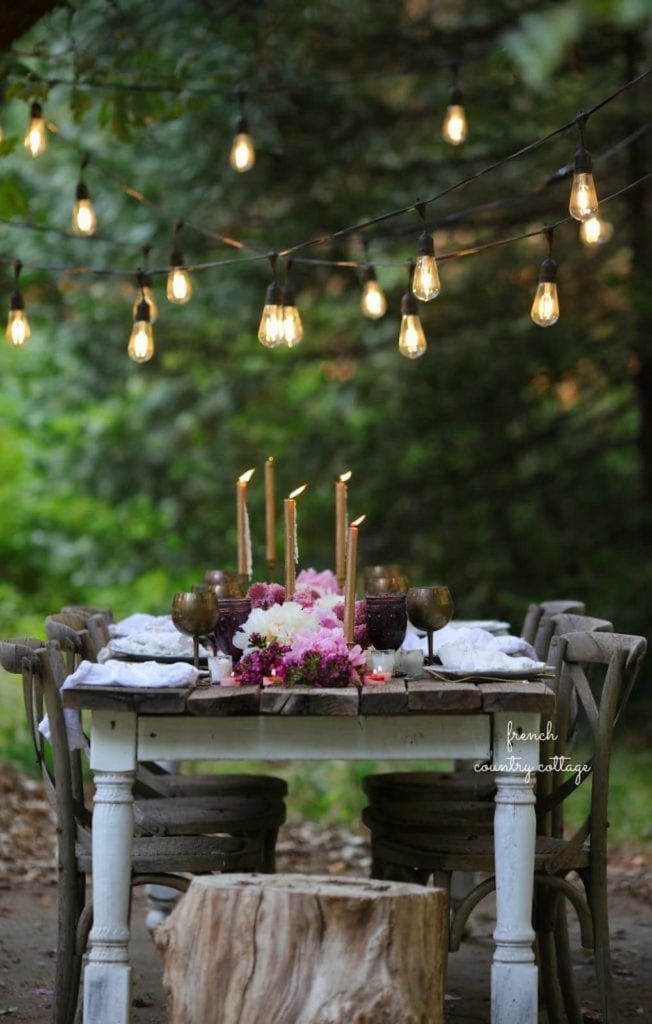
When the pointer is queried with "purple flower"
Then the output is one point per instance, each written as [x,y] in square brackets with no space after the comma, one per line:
[264,595]
[259,662]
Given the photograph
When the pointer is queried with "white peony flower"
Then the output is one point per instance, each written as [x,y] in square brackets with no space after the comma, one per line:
[280,623]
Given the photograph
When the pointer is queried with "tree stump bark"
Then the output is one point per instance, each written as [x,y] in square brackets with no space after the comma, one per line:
[299,949]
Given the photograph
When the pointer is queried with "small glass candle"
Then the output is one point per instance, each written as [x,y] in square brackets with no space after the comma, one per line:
[383,661]
[220,667]
[410,663]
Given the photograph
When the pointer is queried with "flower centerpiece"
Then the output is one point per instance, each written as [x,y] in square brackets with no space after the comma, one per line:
[300,642]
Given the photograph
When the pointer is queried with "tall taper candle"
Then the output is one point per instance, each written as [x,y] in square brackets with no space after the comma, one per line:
[242,522]
[351,579]
[270,518]
[291,542]
[341,490]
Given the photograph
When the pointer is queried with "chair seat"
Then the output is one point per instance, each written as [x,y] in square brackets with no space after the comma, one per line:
[176,784]
[423,787]
[231,814]
[187,854]
[429,851]
[448,817]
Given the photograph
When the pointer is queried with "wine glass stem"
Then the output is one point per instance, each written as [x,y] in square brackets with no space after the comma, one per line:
[195,648]
[430,654]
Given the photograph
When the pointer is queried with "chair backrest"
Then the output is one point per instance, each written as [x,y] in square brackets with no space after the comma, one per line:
[69,630]
[556,625]
[535,612]
[600,670]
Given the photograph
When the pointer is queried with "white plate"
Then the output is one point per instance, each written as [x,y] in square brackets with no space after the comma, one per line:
[545,672]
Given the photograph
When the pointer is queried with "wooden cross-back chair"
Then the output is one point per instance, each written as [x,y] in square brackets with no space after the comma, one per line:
[195,834]
[81,635]
[600,669]
[535,612]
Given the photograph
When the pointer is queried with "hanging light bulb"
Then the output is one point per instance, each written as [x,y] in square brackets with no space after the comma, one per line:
[18,329]
[411,339]
[583,203]
[372,301]
[425,280]
[179,285]
[271,327]
[84,220]
[454,129]
[545,307]
[242,156]
[141,340]
[36,138]
[595,231]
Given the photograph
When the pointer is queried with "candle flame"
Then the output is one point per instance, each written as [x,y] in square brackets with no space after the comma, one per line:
[246,477]
[299,490]
[358,521]
[345,477]
[270,458]
[273,671]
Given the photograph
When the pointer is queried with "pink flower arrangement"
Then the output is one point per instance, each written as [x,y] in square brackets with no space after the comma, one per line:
[322,659]
[360,635]
[323,582]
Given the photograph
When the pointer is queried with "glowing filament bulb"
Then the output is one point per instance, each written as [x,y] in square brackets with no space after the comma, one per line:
[179,286]
[242,156]
[141,340]
[372,301]
[545,307]
[411,340]
[454,129]
[583,203]
[18,329]
[425,283]
[84,220]
[595,231]
[270,329]
[36,138]
[292,326]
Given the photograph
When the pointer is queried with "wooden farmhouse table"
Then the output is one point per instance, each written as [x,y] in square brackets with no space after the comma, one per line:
[497,723]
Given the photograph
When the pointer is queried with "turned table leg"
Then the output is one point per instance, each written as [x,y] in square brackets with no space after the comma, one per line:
[107,977]
[514,972]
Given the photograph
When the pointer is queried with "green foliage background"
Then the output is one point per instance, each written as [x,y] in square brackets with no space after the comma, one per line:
[507,461]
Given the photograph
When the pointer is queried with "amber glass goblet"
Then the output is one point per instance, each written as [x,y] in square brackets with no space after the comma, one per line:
[387,585]
[195,613]
[374,571]
[430,609]
[225,583]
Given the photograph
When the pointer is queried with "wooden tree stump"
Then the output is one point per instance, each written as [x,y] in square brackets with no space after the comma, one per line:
[300,949]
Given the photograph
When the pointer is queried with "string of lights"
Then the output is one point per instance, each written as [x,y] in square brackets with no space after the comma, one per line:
[281,322]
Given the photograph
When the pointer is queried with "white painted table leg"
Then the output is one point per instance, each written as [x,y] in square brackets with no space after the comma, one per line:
[514,972]
[107,977]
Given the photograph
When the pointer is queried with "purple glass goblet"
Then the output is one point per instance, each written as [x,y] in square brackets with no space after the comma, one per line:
[386,620]
[234,612]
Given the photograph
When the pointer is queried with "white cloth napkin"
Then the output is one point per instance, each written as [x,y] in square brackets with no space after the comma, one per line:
[471,657]
[140,621]
[473,636]
[145,675]
[152,642]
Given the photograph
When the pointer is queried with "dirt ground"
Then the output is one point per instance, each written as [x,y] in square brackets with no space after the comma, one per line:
[28,922]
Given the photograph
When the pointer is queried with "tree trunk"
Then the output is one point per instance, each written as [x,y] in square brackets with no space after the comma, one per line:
[299,949]
[638,200]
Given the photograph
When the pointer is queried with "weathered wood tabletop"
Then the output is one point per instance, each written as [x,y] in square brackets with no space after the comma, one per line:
[397,697]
